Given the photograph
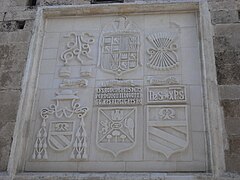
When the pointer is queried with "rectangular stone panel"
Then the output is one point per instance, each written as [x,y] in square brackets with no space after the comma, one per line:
[119,93]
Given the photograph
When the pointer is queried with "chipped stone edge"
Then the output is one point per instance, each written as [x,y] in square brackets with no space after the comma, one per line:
[214,118]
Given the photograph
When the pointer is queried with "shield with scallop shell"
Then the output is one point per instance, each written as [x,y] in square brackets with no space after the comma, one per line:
[162,56]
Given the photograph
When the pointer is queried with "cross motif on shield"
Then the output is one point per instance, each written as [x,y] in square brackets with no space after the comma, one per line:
[116,129]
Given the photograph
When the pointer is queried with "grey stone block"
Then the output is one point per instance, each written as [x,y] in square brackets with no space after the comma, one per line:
[4,156]
[227,57]
[10,79]
[26,14]
[8,26]
[19,37]
[229,92]
[56,2]
[231,108]
[228,74]
[6,133]
[224,16]
[232,162]
[233,126]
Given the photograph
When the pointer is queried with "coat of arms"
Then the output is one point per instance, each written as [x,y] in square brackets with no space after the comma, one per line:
[61,134]
[66,127]
[119,47]
[167,128]
[116,129]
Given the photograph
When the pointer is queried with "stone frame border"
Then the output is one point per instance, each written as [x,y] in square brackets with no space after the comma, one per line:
[213,113]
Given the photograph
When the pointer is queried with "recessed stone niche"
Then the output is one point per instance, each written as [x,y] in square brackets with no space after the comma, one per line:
[118,93]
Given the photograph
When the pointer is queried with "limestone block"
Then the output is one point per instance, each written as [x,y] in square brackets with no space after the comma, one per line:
[3,38]
[55,2]
[20,37]
[229,92]
[215,5]
[231,108]
[8,26]
[232,126]
[4,156]
[79,2]
[20,14]
[227,57]
[4,5]
[228,74]
[232,162]
[19,2]
[10,79]
[6,132]
[224,16]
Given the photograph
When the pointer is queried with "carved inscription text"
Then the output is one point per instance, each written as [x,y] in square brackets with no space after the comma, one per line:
[166,94]
[118,96]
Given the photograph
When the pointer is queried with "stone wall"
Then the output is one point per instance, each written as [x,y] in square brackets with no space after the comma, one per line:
[225,18]
[16,23]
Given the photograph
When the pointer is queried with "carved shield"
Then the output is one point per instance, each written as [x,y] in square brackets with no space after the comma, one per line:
[61,133]
[116,129]
[167,128]
[119,47]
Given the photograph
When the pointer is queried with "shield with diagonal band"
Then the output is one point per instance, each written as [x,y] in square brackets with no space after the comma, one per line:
[116,130]
[167,128]
[60,136]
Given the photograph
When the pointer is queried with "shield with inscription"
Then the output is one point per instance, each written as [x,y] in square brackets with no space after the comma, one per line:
[61,133]
[167,128]
[119,47]
[116,129]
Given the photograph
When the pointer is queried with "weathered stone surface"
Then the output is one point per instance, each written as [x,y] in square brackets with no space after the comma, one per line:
[231,108]
[227,37]
[4,155]
[234,145]
[227,57]
[56,2]
[232,162]
[224,16]
[6,133]
[8,26]
[233,126]
[215,5]
[26,14]
[19,2]
[228,74]
[229,92]
[10,79]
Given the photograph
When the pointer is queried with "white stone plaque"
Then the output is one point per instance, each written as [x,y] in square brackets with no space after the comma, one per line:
[118,93]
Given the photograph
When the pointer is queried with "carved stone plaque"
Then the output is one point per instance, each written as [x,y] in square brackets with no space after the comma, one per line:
[118,93]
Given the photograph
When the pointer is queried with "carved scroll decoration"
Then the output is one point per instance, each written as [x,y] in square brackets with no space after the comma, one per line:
[163,54]
[80,48]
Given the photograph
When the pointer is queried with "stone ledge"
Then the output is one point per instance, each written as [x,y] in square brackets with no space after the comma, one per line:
[117,176]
